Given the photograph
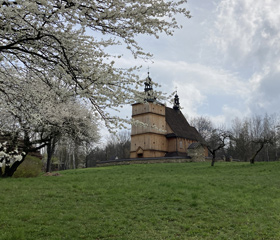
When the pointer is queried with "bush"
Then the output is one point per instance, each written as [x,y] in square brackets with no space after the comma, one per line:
[31,167]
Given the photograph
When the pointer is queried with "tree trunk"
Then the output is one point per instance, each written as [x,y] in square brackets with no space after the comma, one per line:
[49,157]
[267,153]
[252,160]
[213,158]
[74,160]
[69,160]
[9,171]
[50,152]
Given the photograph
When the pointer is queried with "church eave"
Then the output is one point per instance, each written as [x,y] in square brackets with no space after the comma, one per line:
[173,135]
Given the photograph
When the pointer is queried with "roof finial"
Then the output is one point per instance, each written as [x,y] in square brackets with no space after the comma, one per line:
[148,70]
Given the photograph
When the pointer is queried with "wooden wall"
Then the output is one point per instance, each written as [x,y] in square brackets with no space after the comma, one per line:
[151,138]
[140,108]
[155,123]
[149,142]
[153,115]
[178,144]
[148,154]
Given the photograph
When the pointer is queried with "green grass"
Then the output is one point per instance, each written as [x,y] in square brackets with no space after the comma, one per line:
[153,201]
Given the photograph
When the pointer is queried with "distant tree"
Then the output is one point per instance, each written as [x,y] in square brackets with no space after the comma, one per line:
[216,141]
[262,135]
[203,125]
[117,147]
[260,143]
[240,143]
[97,154]
[253,138]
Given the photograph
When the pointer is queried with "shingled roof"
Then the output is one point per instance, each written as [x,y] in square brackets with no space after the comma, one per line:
[180,126]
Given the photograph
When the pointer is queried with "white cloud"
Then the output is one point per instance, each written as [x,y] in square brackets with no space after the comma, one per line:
[207,79]
[246,34]
[247,30]
[191,98]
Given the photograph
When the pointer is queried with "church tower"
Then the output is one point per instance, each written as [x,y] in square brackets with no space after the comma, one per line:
[148,137]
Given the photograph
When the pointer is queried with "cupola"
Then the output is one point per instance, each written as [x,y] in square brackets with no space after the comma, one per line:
[149,90]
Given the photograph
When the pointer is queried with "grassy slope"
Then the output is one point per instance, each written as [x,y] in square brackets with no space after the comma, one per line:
[155,201]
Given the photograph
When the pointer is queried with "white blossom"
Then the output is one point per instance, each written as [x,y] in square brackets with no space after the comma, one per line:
[2,154]
[54,64]
[47,39]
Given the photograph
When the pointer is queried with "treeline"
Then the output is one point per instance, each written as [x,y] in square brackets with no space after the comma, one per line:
[66,154]
[117,147]
[249,139]
[69,153]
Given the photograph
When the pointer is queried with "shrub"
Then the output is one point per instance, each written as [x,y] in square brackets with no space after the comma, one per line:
[31,167]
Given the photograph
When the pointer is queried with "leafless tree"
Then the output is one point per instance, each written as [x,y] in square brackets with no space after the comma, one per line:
[203,125]
[253,138]
[260,143]
[117,147]
[217,140]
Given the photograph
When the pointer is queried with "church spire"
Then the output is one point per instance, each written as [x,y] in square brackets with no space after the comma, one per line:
[176,105]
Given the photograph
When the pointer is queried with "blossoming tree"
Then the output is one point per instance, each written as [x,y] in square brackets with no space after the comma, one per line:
[56,45]
[36,116]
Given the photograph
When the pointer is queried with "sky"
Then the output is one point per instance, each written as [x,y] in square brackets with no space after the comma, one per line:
[224,62]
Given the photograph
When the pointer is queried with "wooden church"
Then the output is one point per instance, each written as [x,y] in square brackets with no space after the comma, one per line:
[165,132]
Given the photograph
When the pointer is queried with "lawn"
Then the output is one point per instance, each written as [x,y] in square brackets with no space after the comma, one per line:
[152,201]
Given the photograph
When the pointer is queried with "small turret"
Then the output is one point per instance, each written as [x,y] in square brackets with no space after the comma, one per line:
[176,105]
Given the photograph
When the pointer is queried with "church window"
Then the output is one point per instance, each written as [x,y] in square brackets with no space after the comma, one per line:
[181,144]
